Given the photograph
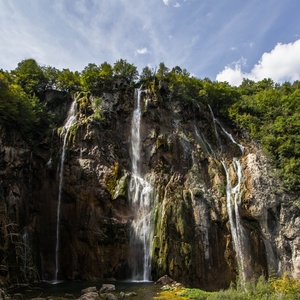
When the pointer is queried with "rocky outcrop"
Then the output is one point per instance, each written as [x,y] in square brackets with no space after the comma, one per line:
[184,153]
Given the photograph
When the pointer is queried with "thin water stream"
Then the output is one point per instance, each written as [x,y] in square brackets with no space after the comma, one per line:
[233,202]
[71,119]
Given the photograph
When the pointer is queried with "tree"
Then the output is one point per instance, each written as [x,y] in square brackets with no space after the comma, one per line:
[90,78]
[29,75]
[51,76]
[125,70]
[162,71]
[146,75]
[106,75]
[17,109]
[68,81]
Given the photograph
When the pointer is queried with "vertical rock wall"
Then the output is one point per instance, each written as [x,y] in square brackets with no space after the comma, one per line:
[181,157]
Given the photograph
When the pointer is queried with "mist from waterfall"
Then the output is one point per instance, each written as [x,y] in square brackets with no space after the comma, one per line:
[141,195]
[71,120]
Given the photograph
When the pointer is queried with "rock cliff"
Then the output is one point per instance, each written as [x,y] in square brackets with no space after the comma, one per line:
[209,221]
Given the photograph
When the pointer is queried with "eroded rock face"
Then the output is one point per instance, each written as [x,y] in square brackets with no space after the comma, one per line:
[183,157]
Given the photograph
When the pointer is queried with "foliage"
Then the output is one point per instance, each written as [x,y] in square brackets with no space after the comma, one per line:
[90,78]
[68,81]
[269,112]
[162,71]
[98,113]
[51,76]
[18,110]
[97,79]
[272,115]
[125,70]
[285,288]
[146,76]
[29,75]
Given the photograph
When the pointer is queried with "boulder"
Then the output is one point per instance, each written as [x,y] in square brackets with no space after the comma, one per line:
[106,287]
[164,280]
[89,290]
[90,296]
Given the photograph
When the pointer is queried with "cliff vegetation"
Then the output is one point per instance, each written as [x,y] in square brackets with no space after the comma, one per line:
[267,112]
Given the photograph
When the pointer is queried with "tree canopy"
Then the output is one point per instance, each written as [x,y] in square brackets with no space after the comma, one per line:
[269,112]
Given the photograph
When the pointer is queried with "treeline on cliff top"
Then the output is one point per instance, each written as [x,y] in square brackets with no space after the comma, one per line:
[268,111]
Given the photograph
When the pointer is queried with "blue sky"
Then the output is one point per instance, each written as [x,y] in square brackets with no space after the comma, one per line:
[220,39]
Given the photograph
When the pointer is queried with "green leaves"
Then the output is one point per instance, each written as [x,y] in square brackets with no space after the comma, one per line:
[272,115]
[29,75]
[17,109]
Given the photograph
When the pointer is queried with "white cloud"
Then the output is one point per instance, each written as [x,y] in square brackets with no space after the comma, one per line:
[142,51]
[168,2]
[281,64]
[233,74]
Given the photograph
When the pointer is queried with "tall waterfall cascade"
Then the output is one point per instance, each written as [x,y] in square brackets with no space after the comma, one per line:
[141,195]
[233,202]
[71,120]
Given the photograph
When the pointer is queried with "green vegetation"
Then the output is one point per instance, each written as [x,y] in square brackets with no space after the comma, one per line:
[268,112]
[271,114]
[18,109]
[285,288]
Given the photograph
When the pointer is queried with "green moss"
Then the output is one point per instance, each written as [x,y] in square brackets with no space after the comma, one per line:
[72,134]
[83,100]
[111,179]
[221,188]
[121,187]
[98,111]
[115,185]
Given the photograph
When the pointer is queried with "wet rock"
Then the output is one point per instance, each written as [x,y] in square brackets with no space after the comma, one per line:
[109,297]
[164,280]
[90,296]
[131,294]
[18,296]
[106,287]
[3,295]
[89,289]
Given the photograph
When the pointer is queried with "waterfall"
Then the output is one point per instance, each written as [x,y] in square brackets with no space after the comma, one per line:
[141,197]
[71,119]
[233,202]
[215,128]
[204,143]
[242,148]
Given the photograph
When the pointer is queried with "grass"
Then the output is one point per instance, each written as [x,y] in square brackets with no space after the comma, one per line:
[285,288]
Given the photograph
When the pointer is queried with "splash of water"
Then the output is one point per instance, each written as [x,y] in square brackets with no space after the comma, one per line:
[71,119]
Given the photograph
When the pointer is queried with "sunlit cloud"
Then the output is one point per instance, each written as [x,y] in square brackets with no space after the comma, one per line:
[281,64]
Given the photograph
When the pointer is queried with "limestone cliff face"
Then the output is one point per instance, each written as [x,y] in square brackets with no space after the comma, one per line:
[191,161]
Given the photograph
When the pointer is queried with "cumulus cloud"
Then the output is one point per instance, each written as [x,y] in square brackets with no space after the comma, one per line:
[281,64]
[166,2]
[232,75]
